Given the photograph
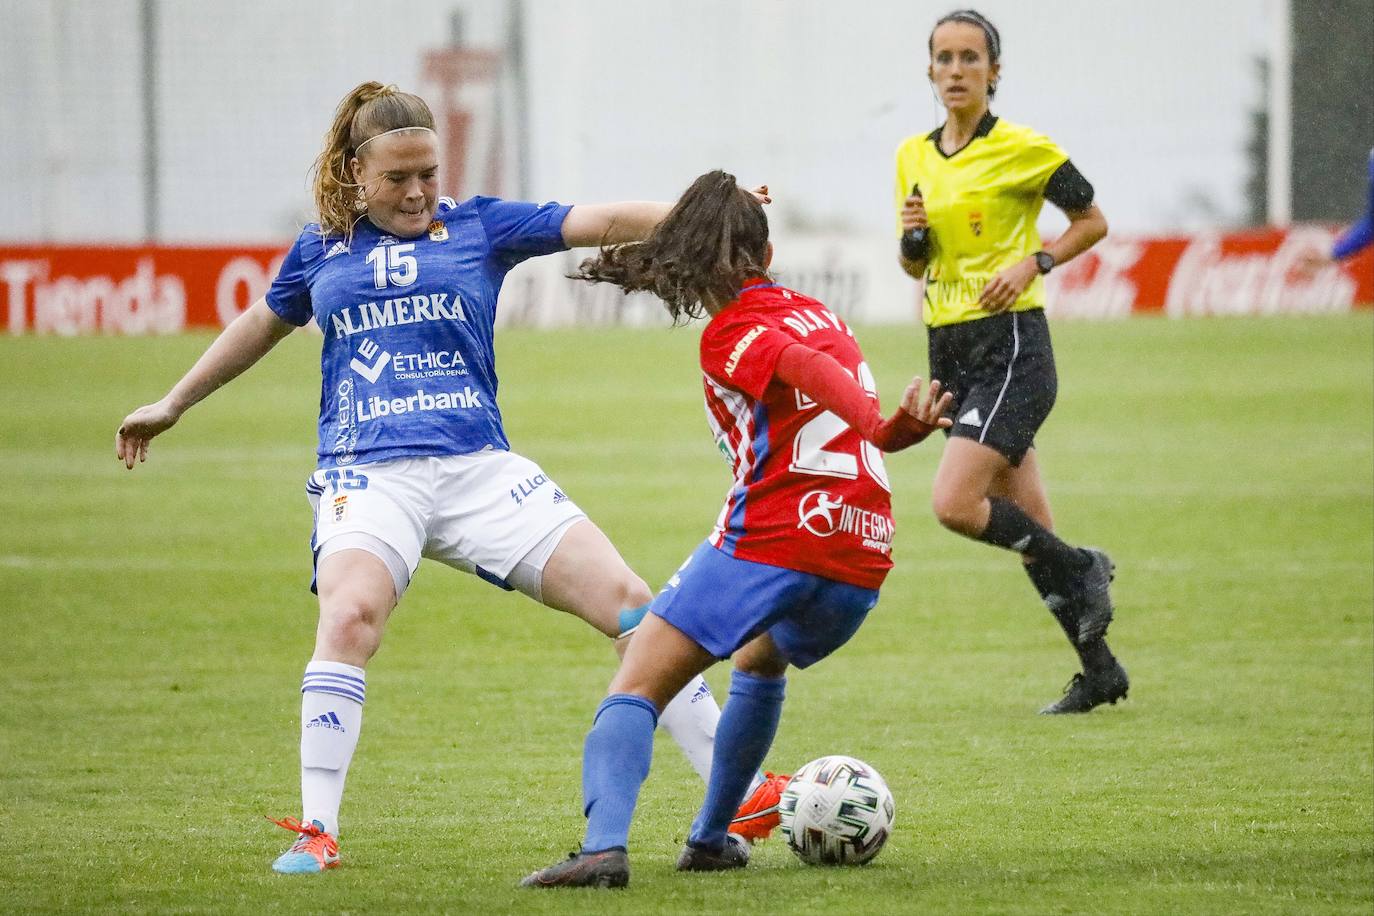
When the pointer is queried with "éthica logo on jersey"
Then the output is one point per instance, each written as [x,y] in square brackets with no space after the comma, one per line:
[368,351]
[372,361]
[825,514]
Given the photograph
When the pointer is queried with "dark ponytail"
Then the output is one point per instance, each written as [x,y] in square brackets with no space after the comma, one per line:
[713,241]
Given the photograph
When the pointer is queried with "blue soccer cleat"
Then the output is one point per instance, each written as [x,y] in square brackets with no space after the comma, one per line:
[314,851]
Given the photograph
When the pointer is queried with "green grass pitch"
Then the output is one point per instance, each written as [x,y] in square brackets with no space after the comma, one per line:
[155,625]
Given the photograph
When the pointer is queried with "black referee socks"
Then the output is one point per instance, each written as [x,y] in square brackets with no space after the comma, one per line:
[1008,526]
[1095,656]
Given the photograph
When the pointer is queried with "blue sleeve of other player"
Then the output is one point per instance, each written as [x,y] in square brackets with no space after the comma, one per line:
[289,295]
[1354,239]
[1358,236]
[517,230]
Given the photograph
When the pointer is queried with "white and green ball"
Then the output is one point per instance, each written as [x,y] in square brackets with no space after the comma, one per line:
[836,811]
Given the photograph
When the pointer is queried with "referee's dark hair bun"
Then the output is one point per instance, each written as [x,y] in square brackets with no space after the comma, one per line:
[973,17]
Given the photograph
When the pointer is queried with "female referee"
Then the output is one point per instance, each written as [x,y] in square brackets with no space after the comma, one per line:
[800,548]
[413,460]
[969,193]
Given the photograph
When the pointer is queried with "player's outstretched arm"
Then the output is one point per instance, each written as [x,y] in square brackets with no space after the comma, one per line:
[245,341]
[1355,239]
[1348,244]
[821,378]
[591,225]
[1361,235]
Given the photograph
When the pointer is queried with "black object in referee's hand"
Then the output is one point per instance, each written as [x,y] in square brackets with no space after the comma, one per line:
[915,242]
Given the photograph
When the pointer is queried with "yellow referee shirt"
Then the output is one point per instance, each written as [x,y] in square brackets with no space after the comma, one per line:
[982,203]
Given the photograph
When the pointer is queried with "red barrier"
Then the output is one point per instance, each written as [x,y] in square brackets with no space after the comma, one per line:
[130,290]
[1233,273]
[166,289]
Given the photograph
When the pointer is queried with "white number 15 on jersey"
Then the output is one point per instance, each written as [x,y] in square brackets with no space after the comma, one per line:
[394,263]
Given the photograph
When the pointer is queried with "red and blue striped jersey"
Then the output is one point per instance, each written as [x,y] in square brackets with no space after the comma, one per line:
[808,493]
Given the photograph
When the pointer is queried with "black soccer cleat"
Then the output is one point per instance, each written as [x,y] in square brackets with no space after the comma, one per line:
[607,868]
[1091,689]
[1094,596]
[734,854]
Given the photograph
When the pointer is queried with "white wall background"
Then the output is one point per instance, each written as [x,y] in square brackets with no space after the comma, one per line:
[628,99]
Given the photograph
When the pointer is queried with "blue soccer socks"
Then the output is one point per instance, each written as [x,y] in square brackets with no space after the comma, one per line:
[747,726]
[615,763]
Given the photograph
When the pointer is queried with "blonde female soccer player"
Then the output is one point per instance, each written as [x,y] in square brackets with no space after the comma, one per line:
[968,194]
[413,459]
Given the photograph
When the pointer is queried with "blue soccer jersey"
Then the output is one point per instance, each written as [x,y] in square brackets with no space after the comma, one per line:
[407,364]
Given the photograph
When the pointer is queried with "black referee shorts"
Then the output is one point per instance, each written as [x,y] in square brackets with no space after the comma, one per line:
[1000,370]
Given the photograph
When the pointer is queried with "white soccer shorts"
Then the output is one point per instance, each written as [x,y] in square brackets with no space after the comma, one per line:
[480,513]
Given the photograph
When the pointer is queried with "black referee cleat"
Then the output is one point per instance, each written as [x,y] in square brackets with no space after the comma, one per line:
[1095,596]
[734,854]
[607,868]
[1090,689]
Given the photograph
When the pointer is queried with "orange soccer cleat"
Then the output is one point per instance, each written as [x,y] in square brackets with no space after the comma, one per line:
[313,851]
[758,815]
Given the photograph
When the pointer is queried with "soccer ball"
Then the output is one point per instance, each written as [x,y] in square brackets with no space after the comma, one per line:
[836,811]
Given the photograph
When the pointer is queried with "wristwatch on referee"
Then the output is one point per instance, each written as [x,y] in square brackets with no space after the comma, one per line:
[1044,262]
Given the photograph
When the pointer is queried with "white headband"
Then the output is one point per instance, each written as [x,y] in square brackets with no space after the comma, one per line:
[384,133]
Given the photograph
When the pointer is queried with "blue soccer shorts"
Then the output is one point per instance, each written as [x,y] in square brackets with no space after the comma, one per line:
[723,602]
